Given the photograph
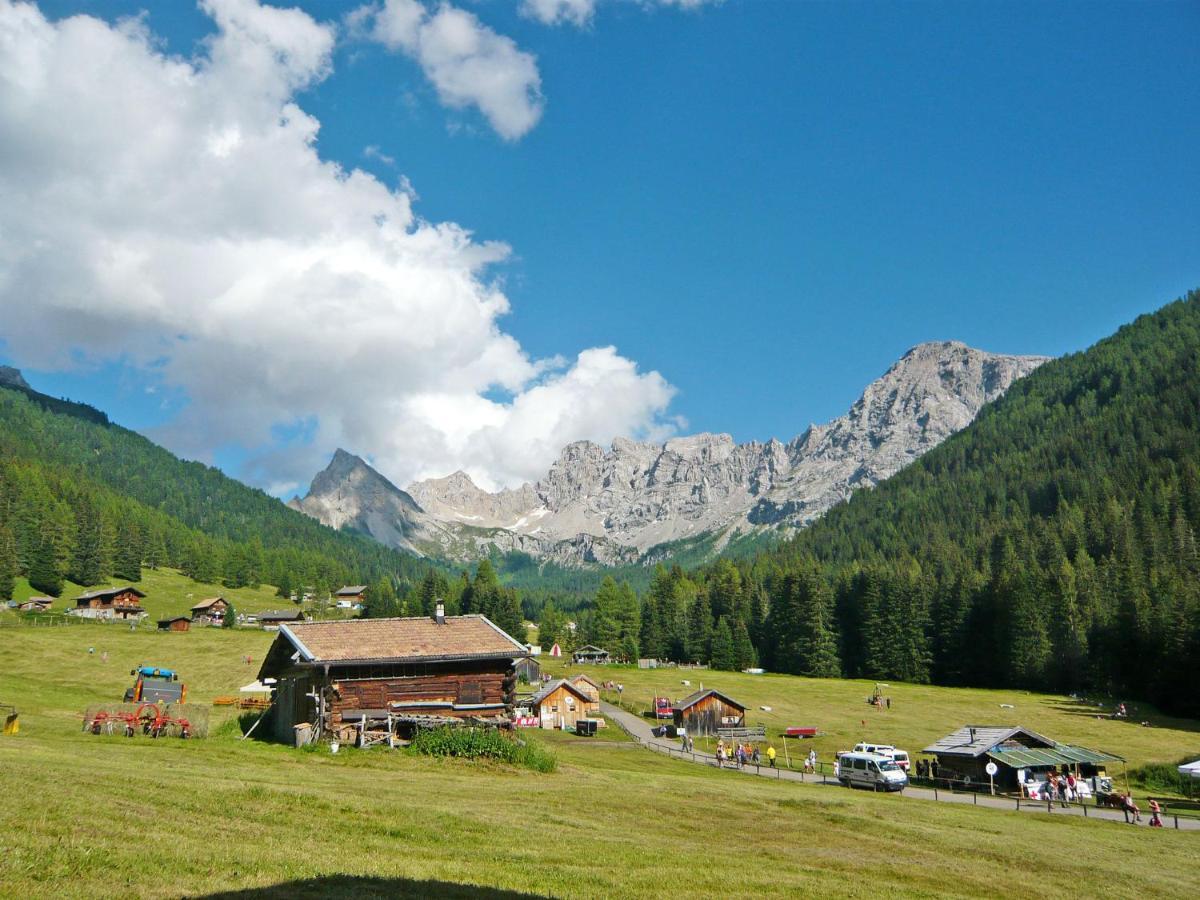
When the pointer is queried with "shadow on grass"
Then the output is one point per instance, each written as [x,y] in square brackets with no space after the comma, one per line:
[360,886]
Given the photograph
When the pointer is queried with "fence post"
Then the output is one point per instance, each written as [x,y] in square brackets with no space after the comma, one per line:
[1018,802]
[975,797]
[1084,805]
[935,796]
[1176,822]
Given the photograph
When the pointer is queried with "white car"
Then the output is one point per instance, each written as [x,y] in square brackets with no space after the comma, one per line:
[870,770]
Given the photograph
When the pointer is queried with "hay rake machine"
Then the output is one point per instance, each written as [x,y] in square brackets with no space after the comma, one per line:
[149,719]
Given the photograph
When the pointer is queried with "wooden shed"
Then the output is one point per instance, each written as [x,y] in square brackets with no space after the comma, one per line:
[211,611]
[703,712]
[36,604]
[561,704]
[175,623]
[408,673]
[529,671]
[272,618]
[1019,754]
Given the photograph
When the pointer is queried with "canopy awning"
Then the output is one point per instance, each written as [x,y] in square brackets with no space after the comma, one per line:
[256,687]
[1058,755]
[1191,769]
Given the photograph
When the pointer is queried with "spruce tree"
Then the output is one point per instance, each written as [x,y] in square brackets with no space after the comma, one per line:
[87,557]
[743,649]
[8,563]
[127,560]
[699,636]
[723,656]
[44,572]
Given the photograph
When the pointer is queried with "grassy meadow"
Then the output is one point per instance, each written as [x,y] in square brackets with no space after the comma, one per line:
[85,816]
[919,715]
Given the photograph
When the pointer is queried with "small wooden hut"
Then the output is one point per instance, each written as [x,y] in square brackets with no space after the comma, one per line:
[175,623]
[273,618]
[704,712]
[561,704]
[407,673]
[528,671]
[36,604]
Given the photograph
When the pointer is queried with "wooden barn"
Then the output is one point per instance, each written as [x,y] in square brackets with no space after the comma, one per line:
[1019,754]
[395,673]
[591,654]
[703,712]
[36,604]
[561,704]
[175,623]
[210,612]
[588,685]
[110,603]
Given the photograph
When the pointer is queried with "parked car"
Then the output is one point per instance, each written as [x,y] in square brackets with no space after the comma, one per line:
[899,757]
[870,770]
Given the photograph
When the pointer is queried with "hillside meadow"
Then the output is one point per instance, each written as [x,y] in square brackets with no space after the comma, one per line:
[85,815]
[919,714]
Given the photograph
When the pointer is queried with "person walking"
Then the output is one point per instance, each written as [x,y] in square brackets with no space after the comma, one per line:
[771,755]
[812,761]
[1155,815]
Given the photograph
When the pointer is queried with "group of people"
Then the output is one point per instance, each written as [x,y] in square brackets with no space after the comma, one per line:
[1133,813]
[1062,788]
[739,754]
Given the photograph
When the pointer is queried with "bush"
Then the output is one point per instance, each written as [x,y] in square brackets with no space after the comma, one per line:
[483,743]
[1162,777]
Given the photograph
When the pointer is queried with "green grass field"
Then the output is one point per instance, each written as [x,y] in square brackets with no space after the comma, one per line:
[86,816]
[920,714]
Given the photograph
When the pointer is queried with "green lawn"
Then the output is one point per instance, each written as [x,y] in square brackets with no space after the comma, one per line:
[87,816]
[920,714]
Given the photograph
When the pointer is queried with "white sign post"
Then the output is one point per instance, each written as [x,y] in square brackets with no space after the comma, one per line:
[991,768]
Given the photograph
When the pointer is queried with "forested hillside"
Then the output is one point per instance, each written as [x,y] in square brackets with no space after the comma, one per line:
[1051,544]
[83,498]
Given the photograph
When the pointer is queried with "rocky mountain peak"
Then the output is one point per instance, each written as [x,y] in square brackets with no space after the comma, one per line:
[596,504]
[13,378]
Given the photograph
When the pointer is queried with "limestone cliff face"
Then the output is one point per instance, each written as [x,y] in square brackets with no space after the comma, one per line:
[608,506]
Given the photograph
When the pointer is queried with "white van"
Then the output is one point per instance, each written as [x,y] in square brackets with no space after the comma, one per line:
[870,770]
[899,757]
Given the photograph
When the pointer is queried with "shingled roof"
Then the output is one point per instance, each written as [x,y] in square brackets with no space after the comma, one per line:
[351,590]
[400,640]
[108,592]
[692,699]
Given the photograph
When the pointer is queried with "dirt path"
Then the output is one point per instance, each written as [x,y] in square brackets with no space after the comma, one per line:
[640,730]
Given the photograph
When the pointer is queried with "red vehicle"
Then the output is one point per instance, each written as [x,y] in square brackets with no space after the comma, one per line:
[801,731]
[663,708]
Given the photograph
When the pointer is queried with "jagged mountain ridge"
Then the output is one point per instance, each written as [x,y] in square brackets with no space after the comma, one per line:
[597,505]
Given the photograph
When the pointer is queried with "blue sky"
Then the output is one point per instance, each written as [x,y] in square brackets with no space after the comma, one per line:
[769,202]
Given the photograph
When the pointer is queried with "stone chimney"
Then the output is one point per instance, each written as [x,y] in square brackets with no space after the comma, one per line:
[439,613]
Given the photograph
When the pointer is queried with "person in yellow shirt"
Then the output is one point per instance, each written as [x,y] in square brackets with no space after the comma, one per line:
[771,755]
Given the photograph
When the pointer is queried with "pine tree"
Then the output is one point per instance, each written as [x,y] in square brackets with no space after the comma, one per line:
[284,588]
[44,572]
[606,626]
[743,649]
[8,563]
[723,655]
[87,557]
[127,560]
[700,624]
[229,620]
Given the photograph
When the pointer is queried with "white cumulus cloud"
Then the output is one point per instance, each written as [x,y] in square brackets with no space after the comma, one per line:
[581,12]
[468,64]
[175,213]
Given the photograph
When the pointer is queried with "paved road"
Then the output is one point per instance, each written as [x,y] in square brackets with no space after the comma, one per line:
[639,729]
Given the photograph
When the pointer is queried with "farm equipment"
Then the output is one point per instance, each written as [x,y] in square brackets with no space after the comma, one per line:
[12,720]
[155,685]
[663,708]
[149,718]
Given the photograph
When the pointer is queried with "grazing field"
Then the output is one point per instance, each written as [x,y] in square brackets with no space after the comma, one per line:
[87,816]
[919,715]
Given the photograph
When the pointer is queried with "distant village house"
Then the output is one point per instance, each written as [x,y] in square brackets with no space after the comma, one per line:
[273,618]
[210,612]
[353,596]
[405,673]
[110,603]
[36,604]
